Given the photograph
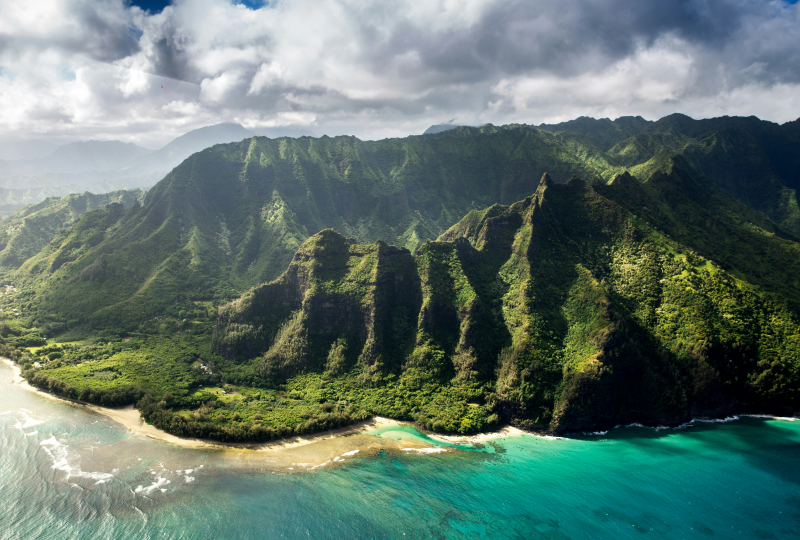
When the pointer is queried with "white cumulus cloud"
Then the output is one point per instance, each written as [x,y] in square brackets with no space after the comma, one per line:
[79,69]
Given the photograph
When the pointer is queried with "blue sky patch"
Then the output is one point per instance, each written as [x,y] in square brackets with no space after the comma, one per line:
[155,6]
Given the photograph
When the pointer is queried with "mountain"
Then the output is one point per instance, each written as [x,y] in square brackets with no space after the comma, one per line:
[231,217]
[562,312]
[601,133]
[31,149]
[28,231]
[753,160]
[184,146]
[448,285]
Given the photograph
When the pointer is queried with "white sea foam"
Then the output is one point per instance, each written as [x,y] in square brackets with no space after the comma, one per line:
[351,453]
[434,450]
[29,420]
[189,479]
[692,422]
[787,418]
[157,485]
[144,517]
[62,461]
[597,433]
[716,420]
[31,433]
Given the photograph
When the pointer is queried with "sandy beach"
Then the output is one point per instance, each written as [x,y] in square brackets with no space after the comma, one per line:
[297,453]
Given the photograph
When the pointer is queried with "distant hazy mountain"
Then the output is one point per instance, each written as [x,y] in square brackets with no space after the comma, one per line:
[103,166]
[77,157]
[184,146]
[52,185]
[97,161]
[12,150]
[438,128]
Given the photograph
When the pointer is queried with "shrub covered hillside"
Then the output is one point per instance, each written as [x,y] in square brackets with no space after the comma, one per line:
[560,312]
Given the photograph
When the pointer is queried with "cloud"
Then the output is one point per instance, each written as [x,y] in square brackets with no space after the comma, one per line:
[387,68]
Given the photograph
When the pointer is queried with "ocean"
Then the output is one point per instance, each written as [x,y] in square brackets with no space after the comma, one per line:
[66,472]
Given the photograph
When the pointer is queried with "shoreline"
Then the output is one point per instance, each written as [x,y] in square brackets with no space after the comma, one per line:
[294,454]
[313,450]
[131,418]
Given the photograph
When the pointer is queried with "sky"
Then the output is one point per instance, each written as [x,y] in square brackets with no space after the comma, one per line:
[147,71]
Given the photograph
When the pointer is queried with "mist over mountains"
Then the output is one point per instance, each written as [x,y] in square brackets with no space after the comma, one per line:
[102,166]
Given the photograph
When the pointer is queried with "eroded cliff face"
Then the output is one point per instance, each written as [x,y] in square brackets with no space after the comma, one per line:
[353,301]
[565,311]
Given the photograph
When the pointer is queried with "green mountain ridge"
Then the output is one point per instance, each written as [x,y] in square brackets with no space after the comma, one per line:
[232,216]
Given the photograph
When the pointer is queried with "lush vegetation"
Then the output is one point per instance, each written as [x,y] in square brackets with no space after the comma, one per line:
[215,309]
[562,312]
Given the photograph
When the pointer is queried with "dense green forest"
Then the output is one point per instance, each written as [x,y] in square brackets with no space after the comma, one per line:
[271,287]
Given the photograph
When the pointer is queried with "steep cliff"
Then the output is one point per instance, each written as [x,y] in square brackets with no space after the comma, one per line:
[567,310]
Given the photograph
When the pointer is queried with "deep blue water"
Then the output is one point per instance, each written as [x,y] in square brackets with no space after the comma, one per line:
[69,473]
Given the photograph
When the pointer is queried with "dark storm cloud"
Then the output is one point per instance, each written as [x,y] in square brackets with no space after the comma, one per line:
[105,38]
[168,59]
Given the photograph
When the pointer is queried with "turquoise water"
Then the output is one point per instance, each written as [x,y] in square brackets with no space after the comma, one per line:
[68,473]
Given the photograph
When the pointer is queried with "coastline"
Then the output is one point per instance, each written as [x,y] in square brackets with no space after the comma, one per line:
[131,418]
[300,452]
[305,452]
